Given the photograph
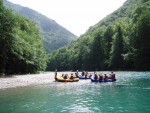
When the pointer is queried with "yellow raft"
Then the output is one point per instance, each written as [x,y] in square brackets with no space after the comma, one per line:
[61,79]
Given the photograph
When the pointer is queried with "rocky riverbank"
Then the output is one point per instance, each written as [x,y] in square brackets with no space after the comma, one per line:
[25,80]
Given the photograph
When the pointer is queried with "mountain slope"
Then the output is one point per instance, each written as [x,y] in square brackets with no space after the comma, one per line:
[120,41]
[54,35]
[21,46]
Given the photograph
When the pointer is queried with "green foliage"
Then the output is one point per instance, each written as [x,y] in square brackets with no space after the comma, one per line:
[21,45]
[6,36]
[108,34]
[53,35]
[116,59]
[141,46]
[97,53]
[119,41]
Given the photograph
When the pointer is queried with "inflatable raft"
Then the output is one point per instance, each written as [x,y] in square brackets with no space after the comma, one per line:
[83,77]
[97,80]
[61,79]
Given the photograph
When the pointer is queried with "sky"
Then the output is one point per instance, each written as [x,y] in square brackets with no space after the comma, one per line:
[75,15]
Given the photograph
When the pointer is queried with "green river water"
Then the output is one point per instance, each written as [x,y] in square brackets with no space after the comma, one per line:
[129,94]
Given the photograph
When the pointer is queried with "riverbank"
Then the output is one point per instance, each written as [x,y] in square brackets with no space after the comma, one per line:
[26,80]
[30,79]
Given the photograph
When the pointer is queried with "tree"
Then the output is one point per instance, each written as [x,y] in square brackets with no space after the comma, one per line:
[112,45]
[141,42]
[21,46]
[6,35]
[108,34]
[116,59]
[97,53]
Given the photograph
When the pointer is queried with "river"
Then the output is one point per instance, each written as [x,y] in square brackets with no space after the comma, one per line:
[129,94]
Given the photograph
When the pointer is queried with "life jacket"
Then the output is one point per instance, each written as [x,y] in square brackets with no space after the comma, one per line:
[113,76]
[65,77]
[105,78]
[95,77]
[71,77]
[101,78]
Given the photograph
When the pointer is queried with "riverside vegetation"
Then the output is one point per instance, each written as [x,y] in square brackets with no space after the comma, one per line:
[118,42]
[54,36]
[21,46]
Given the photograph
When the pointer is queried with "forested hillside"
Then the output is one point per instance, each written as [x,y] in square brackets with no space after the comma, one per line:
[118,42]
[54,36]
[21,46]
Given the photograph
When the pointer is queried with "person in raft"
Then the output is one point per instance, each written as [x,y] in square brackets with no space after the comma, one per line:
[71,77]
[112,76]
[66,76]
[105,77]
[101,77]
[77,73]
[56,74]
[83,73]
[90,75]
[86,74]
[95,76]
[63,75]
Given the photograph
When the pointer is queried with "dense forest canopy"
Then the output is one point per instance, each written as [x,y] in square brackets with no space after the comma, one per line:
[118,42]
[54,36]
[21,47]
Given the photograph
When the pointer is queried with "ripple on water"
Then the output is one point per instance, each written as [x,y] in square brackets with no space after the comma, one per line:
[127,95]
